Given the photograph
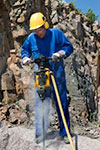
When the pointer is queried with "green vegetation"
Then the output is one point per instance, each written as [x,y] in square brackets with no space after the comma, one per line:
[72,4]
[79,11]
[91,16]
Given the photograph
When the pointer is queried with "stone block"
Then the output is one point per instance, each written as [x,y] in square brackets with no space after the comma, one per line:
[7,82]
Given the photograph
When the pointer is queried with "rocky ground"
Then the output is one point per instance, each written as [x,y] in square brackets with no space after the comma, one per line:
[22,138]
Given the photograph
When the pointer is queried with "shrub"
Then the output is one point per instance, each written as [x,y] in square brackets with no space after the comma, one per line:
[91,16]
[72,4]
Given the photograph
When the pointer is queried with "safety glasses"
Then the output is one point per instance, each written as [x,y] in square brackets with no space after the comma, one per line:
[38,30]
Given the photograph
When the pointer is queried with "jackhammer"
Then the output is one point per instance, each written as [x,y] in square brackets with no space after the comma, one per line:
[42,81]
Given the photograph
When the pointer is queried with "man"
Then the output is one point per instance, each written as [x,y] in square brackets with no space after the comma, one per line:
[48,42]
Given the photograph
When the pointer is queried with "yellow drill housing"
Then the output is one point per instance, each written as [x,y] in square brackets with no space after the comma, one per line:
[47,80]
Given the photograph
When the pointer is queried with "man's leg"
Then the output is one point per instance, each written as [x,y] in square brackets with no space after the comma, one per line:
[64,103]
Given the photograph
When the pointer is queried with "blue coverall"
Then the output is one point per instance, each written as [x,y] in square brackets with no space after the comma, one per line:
[53,41]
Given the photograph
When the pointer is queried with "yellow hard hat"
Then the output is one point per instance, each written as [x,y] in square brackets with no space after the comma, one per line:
[37,20]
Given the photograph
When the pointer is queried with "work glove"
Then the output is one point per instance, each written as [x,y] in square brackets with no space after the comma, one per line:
[26,61]
[56,56]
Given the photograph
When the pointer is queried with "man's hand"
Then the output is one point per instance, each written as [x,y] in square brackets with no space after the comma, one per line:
[58,55]
[61,53]
[26,61]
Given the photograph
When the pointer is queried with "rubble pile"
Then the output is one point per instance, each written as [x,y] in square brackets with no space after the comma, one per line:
[13,115]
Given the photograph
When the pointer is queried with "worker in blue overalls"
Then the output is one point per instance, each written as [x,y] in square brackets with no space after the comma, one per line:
[48,42]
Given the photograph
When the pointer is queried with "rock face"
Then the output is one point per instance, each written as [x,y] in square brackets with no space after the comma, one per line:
[81,67]
[14,25]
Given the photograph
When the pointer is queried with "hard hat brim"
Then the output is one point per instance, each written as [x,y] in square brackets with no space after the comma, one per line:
[36,27]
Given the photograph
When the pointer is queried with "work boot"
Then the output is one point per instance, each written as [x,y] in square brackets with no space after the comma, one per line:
[63,138]
[66,140]
[38,139]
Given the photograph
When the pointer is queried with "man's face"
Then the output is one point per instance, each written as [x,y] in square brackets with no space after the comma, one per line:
[40,31]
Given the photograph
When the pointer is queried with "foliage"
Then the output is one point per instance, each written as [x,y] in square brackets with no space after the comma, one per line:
[71,6]
[79,11]
[91,16]
[72,3]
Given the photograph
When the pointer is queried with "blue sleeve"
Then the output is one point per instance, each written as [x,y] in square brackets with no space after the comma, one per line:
[65,44]
[26,49]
